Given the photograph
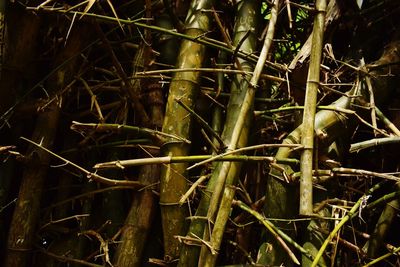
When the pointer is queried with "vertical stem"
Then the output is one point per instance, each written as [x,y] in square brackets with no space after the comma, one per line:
[227,181]
[136,230]
[307,138]
[244,33]
[177,121]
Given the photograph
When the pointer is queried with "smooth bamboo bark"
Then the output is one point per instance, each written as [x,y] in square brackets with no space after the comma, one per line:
[307,137]
[229,189]
[246,9]
[177,121]
[138,223]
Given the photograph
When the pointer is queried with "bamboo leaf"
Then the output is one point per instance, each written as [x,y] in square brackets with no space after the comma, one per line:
[88,7]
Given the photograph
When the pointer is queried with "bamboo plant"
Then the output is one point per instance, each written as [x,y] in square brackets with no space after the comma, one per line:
[209,205]
[184,86]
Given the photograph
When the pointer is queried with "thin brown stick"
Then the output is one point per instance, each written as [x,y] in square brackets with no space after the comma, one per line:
[68,259]
[89,175]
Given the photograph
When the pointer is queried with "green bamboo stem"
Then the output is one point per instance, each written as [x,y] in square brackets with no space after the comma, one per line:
[382,200]
[178,122]
[137,229]
[352,212]
[331,108]
[373,142]
[341,170]
[145,74]
[243,149]
[294,108]
[365,173]
[282,201]
[335,127]
[381,258]
[227,192]
[257,99]
[371,95]
[275,232]
[307,136]
[386,121]
[187,159]
[217,111]
[244,33]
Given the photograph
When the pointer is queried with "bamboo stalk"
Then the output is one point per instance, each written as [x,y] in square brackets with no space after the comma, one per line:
[387,122]
[282,201]
[307,132]
[186,159]
[245,34]
[184,86]
[384,199]
[144,74]
[136,230]
[240,150]
[274,230]
[352,212]
[332,108]
[225,191]
[373,142]
[384,256]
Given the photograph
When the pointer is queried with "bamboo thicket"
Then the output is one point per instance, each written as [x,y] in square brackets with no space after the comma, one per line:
[199,133]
